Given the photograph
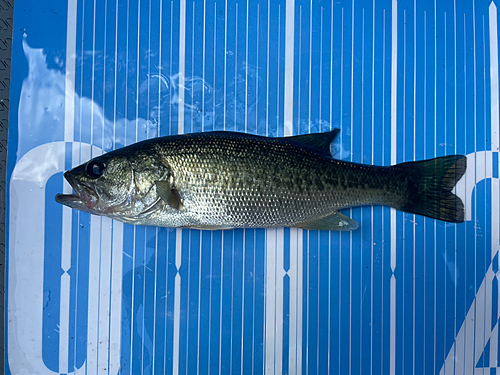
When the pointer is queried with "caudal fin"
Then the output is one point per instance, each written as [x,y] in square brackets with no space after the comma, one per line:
[431,184]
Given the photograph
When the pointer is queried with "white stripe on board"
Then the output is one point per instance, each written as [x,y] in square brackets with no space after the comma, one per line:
[394,75]
[104,298]
[470,342]
[280,274]
[155,292]
[182,64]
[330,236]
[394,88]
[210,293]
[495,142]
[64,321]
[116,75]
[360,307]
[495,185]
[116,258]
[434,155]
[273,348]
[289,61]
[225,70]
[103,118]
[275,240]
[134,320]
[296,243]
[177,301]
[494,347]
[203,43]
[383,160]
[93,78]
[160,70]
[138,67]
[319,239]
[178,232]
[69,125]
[310,69]
[69,90]
[425,152]
[494,76]
[270,325]
[275,237]
[246,69]
[267,65]
[372,242]
[483,330]
[115,316]
[199,304]
[242,343]
[488,165]
[295,332]
[341,140]
[414,154]
[93,307]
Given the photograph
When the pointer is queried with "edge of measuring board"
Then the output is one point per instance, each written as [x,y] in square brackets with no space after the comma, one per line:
[6,24]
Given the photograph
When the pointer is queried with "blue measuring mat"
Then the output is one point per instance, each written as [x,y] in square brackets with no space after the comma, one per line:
[402,294]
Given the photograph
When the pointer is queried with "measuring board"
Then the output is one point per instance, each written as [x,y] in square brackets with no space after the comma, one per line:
[402,294]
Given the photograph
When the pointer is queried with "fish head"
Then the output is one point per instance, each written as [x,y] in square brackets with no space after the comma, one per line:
[101,185]
[115,184]
[119,185]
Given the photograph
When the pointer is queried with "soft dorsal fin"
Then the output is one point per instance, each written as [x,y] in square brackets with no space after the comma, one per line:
[335,221]
[169,194]
[318,140]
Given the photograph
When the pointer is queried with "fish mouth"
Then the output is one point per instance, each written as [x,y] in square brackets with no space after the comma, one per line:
[84,199]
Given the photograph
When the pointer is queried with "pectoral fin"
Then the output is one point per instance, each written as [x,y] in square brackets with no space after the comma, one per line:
[336,221]
[169,194]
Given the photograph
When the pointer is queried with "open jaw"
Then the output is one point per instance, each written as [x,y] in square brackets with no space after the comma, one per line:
[84,199]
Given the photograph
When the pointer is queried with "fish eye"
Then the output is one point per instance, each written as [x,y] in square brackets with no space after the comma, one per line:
[95,168]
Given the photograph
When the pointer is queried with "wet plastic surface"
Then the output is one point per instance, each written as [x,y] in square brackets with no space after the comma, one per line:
[402,294]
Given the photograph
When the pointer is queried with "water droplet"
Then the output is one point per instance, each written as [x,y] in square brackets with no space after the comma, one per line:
[343,223]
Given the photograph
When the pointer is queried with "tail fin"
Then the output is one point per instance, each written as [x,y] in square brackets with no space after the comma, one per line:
[432,182]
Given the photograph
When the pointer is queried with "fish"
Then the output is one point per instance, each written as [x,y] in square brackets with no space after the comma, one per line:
[222,180]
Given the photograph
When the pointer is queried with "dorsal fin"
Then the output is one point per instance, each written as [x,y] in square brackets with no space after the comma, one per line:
[318,140]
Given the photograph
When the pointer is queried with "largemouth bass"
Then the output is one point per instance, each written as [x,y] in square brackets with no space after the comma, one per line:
[222,180]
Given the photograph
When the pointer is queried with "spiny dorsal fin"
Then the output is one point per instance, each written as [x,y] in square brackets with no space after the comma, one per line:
[169,194]
[318,140]
[335,221]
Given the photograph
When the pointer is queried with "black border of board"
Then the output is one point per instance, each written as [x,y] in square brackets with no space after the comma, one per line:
[6,23]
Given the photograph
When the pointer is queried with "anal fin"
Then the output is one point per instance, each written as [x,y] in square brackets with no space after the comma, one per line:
[205,227]
[335,221]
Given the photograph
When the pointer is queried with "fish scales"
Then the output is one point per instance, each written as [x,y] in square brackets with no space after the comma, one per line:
[225,179]
[263,182]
